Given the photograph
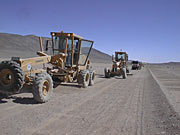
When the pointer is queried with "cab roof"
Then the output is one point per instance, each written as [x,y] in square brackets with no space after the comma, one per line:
[121,52]
[59,34]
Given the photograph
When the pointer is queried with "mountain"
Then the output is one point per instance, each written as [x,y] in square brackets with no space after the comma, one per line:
[13,45]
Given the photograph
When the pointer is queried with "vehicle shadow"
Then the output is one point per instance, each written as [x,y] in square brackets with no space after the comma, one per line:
[15,99]
[71,85]
[24,100]
[100,76]
[2,97]
[117,77]
[74,84]
[2,101]
[29,100]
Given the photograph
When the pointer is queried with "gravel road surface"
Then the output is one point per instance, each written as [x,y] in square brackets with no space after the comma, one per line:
[134,106]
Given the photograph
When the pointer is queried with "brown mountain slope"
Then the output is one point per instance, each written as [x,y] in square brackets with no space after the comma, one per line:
[27,46]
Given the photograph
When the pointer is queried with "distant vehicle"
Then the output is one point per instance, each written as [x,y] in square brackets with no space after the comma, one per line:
[119,67]
[136,65]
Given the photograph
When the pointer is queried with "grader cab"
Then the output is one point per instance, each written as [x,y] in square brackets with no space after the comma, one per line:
[69,62]
[71,59]
[119,66]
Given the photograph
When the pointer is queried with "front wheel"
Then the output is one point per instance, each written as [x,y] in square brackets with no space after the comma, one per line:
[127,70]
[124,75]
[42,87]
[83,78]
[92,78]
[107,73]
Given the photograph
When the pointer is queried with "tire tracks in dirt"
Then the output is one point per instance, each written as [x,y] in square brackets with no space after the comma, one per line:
[7,111]
[94,117]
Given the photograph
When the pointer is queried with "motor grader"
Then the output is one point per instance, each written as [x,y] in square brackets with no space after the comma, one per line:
[119,66]
[69,62]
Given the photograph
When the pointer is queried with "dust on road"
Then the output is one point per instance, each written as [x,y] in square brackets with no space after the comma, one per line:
[135,106]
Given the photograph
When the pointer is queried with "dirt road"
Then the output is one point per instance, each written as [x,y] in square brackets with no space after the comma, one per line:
[135,106]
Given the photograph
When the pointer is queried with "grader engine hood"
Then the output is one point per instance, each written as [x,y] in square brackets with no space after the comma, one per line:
[30,64]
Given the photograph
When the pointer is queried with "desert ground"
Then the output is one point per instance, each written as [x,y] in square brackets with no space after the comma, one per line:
[146,103]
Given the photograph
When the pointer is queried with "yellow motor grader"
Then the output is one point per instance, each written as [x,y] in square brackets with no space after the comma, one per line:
[69,62]
[119,66]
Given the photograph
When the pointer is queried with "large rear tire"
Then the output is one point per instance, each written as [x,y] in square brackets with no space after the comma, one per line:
[92,77]
[42,87]
[124,75]
[11,77]
[83,78]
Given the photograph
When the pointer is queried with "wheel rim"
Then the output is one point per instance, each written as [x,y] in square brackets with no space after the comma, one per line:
[87,77]
[6,77]
[45,88]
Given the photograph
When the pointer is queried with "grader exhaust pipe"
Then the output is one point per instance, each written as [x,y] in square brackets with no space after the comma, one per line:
[40,42]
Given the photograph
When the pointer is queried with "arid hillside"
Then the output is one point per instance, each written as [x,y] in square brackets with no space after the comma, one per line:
[27,46]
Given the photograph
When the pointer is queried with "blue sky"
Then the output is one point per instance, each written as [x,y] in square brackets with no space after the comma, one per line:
[149,30]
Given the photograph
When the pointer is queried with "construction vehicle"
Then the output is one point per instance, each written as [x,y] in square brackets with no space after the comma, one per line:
[69,62]
[136,65]
[119,66]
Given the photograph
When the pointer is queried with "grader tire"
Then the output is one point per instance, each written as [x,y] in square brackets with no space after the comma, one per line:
[92,77]
[107,73]
[83,78]
[42,87]
[11,77]
[127,70]
[124,75]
